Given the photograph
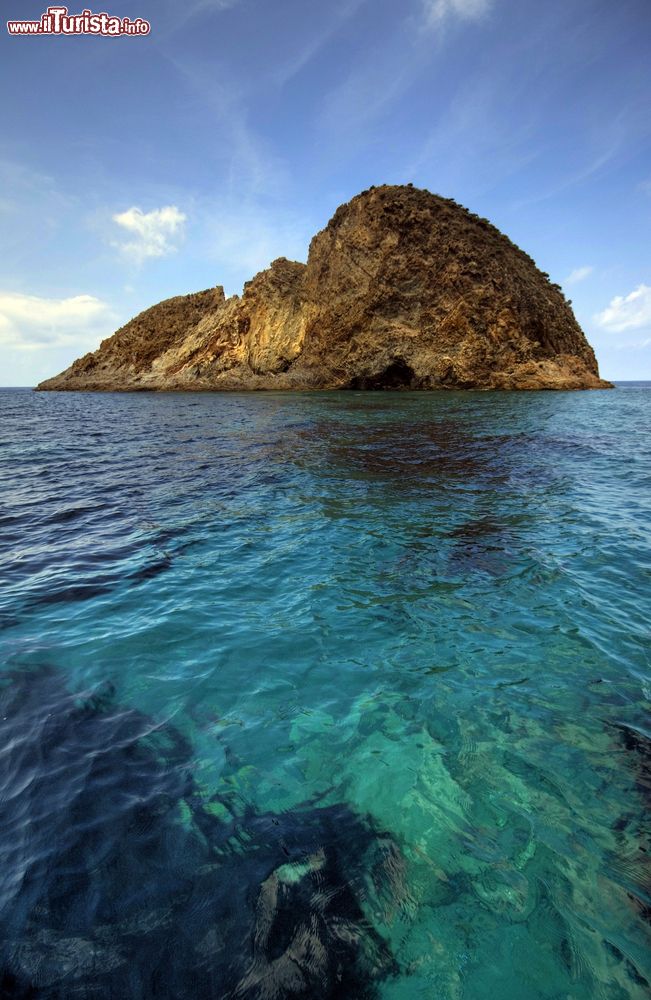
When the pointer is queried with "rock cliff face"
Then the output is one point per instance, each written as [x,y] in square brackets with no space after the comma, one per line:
[402,289]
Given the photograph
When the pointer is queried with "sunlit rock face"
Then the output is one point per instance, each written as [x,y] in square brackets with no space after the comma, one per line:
[401,290]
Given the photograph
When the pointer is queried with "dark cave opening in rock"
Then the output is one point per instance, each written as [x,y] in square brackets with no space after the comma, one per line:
[397,375]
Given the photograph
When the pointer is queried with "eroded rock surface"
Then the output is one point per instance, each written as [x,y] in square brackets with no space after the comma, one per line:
[402,289]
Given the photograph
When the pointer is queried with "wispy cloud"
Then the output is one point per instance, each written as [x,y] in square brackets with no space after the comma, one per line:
[627,312]
[388,70]
[352,108]
[438,11]
[153,232]
[33,210]
[476,125]
[242,239]
[573,178]
[338,17]
[31,323]
[609,143]
[210,6]
[247,162]
[174,16]
[578,274]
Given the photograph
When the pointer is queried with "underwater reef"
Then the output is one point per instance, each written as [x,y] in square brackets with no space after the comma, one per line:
[120,877]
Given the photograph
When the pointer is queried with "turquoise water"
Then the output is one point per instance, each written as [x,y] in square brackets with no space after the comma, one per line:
[417,623]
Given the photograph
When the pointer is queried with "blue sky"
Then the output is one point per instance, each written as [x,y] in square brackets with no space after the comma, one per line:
[132,169]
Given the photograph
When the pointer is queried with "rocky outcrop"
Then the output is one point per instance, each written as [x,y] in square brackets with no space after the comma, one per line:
[402,289]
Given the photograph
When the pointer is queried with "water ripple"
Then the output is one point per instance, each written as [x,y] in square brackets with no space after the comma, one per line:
[340,685]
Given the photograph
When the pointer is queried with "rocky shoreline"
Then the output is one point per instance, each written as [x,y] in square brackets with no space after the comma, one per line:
[403,289]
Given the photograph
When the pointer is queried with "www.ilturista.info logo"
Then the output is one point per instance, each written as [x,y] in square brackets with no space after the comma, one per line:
[57,21]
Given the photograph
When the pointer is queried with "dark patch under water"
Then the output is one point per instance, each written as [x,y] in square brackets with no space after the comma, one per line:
[375,618]
[117,879]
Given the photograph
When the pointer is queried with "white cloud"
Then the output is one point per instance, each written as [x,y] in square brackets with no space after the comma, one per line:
[577,275]
[30,323]
[437,11]
[153,231]
[627,312]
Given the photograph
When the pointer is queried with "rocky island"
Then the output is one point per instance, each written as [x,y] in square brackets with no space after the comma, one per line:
[402,290]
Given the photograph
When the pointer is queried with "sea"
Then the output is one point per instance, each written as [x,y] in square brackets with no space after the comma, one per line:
[324,695]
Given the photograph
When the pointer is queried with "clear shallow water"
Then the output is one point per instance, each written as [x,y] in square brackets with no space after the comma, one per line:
[325,695]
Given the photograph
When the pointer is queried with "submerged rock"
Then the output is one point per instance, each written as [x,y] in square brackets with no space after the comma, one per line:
[118,879]
[402,290]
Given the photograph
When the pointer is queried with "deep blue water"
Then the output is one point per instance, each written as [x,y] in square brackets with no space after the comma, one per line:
[325,695]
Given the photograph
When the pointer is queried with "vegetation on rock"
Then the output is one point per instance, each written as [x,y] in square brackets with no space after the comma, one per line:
[402,289]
